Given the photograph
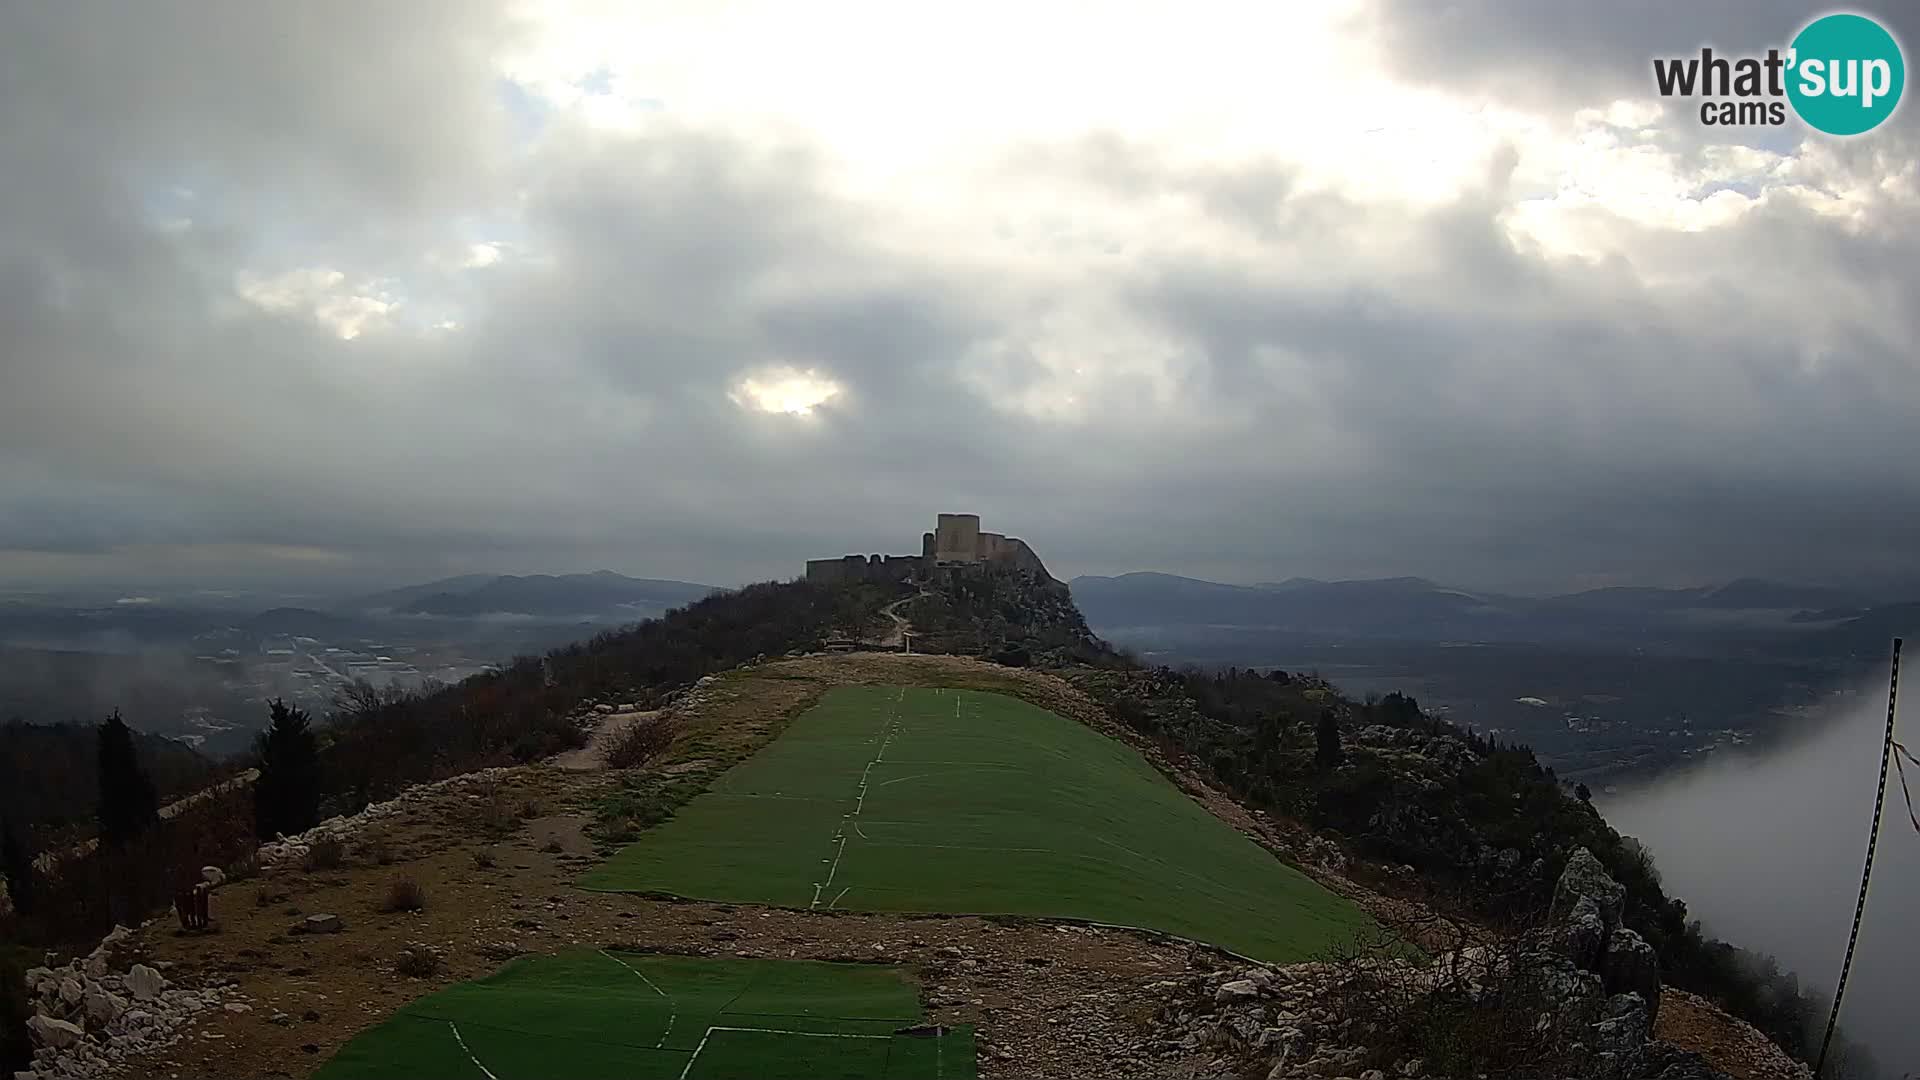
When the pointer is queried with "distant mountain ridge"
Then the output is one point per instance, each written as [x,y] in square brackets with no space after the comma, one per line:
[1412,608]
[602,592]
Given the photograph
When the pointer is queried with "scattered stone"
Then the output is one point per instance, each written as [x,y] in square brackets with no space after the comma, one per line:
[320,924]
[144,983]
[103,1007]
[57,1034]
[1237,990]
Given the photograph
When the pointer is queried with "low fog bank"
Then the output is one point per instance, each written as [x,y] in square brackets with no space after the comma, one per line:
[1766,850]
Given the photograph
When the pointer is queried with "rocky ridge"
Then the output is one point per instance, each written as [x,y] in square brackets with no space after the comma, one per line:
[1577,998]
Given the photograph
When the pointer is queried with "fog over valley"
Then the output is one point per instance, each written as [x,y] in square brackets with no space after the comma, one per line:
[1767,849]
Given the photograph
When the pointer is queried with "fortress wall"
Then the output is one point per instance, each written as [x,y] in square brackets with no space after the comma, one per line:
[864,568]
[1016,552]
[834,571]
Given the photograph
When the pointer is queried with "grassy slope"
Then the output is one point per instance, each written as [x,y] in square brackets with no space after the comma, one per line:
[976,803]
[591,1014]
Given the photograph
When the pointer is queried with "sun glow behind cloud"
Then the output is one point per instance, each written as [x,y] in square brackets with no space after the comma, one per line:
[788,390]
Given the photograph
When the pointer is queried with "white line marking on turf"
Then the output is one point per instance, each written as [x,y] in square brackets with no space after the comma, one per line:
[842,896]
[463,1046]
[770,1031]
[893,726]
[673,1009]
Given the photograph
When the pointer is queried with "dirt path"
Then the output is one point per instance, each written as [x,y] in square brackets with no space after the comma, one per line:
[593,756]
[897,637]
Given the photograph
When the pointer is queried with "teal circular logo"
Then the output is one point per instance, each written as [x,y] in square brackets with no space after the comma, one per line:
[1845,74]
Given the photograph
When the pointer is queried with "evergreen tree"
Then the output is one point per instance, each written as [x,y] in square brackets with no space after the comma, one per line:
[286,798]
[1327,752]
[1583,792]
[128,805]
[18,866]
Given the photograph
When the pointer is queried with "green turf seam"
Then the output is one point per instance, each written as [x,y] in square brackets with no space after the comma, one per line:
[671,1004]
[463,1046]
[894,717]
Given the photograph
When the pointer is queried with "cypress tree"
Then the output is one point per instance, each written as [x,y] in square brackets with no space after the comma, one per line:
[1327,750]
[128,805]
[286,798]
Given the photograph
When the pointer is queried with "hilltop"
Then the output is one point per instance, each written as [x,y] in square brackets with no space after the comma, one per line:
[1442,836]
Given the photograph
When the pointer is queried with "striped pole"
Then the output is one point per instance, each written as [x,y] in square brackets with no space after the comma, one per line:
[1866,874]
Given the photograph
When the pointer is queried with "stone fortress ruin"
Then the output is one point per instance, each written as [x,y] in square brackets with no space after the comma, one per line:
[955,544]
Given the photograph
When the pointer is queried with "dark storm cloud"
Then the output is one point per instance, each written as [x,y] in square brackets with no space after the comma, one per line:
[1651,431]
[1338,388]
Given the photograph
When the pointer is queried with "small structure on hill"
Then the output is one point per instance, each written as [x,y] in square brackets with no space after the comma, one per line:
[956,543]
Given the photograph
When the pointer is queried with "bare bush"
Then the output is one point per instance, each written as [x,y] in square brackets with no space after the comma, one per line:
[1491,1010]
[404,894]
[325,853]
[498,814]
[419,961]
[638,743]
[483,858]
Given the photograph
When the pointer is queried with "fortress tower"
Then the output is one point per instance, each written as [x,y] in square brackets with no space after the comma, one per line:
[956,538]
[956,542]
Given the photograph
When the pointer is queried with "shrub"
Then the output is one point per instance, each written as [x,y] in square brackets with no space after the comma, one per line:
[245,867]
[483,858]
[1496,1015]
[404,894]
[379,851]
[498,815]
[325,853]
[638,743]
[418,961]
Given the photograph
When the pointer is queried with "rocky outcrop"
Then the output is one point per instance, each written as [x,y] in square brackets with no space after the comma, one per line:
[101,1009]
[1577,998]
[1585,920]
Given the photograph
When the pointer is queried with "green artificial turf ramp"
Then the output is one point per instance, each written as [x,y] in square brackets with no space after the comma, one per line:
[585,1015]
[964,802]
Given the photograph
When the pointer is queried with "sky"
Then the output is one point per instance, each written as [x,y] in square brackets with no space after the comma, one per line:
[372,292]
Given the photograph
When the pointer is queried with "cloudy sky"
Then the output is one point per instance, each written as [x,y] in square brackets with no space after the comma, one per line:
[376,291]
